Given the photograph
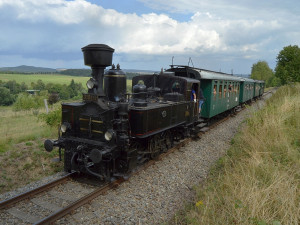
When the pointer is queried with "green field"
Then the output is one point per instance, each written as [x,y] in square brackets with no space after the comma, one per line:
[49,78]
[46,78]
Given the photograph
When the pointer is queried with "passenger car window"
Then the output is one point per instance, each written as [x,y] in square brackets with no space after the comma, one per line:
[220,91]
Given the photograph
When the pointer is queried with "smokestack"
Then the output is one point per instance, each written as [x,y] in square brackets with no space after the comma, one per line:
[98,57]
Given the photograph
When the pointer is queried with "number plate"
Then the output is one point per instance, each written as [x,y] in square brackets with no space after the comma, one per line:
[90,97]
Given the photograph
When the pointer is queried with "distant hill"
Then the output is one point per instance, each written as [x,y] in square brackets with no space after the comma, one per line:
[72,72]
[88,72]
[28,69]
[76,72]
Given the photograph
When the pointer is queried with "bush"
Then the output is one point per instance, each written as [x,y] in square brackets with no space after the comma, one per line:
[53,98]
[14,87]
[53,118]
[6,98]
[27,102]
[39,85]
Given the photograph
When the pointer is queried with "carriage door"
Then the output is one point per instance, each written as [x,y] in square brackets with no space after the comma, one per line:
[195,87]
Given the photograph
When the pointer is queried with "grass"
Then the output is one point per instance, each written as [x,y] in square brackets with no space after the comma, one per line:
[20,126]
[25,163]
[23,158]
[48,78]
[258,181]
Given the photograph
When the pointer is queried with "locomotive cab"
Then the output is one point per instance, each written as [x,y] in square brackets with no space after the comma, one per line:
[174,110]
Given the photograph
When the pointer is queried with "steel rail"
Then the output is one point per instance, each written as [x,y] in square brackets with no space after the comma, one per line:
[78,203]
[7,203]
[89,197]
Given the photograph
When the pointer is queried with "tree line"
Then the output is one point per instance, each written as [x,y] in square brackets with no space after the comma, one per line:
[287,69]
[69,72]
[13,93]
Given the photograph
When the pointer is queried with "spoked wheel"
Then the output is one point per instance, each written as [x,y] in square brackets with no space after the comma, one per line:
[67,160]
[168,141]
[137,146]
[140,149]
[123,166]
[154,146]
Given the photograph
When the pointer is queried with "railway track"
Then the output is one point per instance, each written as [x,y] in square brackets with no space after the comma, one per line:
[35,198]
[49,202]
[21,207]
[49,212]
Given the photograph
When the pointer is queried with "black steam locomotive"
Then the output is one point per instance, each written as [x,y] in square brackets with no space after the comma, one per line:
[110,132]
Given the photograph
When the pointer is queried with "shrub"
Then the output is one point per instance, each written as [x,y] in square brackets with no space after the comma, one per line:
[27,102]
[53,98]
[53,118]
[6,98]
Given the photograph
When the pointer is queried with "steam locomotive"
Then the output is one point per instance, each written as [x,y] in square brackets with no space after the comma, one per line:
[110,132]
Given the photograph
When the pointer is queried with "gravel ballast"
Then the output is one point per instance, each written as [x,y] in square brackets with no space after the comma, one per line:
[154,195]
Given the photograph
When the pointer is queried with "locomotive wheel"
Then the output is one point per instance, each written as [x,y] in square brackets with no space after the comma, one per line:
[178,135]
[123,166]
[67,160]
[168,140]
[137,146]
[154,146]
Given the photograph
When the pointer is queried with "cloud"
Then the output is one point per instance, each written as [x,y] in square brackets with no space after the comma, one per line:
[55,30]
[149,33]
[241,23]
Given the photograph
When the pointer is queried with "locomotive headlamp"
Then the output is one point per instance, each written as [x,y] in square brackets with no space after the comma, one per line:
[91,83]
[108,135]
[64,127]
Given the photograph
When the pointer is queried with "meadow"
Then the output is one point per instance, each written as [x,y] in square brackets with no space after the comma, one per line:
[258,180]
[50,78]
[22,155]
[20,126]
[46,78]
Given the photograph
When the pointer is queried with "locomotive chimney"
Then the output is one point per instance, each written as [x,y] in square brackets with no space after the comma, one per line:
[98,57]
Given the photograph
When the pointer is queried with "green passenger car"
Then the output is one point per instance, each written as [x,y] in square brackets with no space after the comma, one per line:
[262,87]
[221,91]
[256,88]
[247,90]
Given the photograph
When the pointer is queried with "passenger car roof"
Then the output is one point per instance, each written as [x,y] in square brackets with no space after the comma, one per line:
[211,75]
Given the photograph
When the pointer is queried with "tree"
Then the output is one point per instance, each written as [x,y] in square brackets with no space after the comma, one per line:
[6,98]
[262,71]
[288,64]
[74,89]
[53,98]
[13,86]
[64,93]
[39,85]
[23,86]
[26,101]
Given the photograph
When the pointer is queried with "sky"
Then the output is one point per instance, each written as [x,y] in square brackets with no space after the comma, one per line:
[220,35]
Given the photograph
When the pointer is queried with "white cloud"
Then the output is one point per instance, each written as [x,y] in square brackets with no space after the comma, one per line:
[150,33]
[56,29]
